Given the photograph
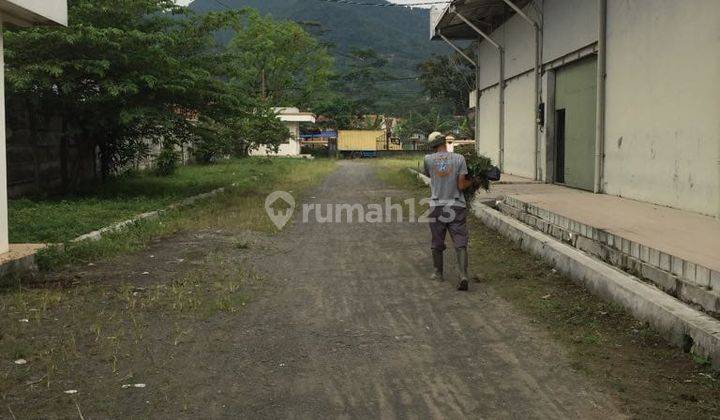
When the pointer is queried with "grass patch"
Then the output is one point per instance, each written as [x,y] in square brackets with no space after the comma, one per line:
[241,207]
[394,171]
[98,337]
[651,377]
[59,219]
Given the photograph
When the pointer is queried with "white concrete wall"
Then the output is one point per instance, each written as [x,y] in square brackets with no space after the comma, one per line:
[516,36]
[520,126]
[569,26]
[290,148]
[489,122]
[663,102]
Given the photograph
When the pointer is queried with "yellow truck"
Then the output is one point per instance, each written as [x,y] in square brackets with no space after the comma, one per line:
[361,143]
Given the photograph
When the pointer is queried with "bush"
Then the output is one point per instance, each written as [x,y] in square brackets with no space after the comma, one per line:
[166,162]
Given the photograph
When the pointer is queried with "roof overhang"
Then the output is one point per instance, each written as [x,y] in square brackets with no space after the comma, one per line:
[488,15]
[34,12]
[298,117]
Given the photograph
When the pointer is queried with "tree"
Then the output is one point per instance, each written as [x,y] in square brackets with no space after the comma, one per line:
[359,82]
[278,62]
[450,79]
[425,122]
[124,72]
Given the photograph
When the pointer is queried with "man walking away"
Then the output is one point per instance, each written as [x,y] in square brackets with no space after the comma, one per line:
[448,179]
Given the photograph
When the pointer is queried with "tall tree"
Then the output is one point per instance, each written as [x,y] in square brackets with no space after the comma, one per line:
[278,62]
[124,71]
[448,79]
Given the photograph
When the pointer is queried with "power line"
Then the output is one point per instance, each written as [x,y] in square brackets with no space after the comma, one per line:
[223,5]
[406,5]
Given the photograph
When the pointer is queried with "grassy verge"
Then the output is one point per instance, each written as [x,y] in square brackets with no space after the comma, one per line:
[55,220]
[652,378]
[394,171]
[86,344]
[241,207]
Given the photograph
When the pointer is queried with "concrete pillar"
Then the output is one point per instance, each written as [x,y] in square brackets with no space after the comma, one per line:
[4,236]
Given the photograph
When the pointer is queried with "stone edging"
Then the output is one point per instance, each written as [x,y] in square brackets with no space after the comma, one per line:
[28,262]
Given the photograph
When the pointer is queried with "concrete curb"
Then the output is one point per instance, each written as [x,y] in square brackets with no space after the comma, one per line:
[424,178]
[152,215]
[684,326]
[27,263]
[681,324]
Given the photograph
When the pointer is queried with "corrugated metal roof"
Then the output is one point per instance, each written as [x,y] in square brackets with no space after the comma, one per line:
[488,15]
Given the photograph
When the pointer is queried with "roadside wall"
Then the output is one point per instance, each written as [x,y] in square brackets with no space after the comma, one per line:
[663,103]
[39,158]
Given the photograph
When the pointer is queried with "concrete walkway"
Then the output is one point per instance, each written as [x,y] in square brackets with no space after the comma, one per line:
[683,234]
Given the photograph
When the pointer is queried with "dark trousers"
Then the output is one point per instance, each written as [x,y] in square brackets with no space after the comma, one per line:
[452,219]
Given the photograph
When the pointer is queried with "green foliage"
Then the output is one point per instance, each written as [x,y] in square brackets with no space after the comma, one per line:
[260,128]
[122,73]
[424,122]
[477,165]
[52,220]
[127,73]
[398,35]
[448,79]
[277,62]
[166,162]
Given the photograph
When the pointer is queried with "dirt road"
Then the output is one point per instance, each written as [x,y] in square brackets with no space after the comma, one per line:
[342,322]
[352,326]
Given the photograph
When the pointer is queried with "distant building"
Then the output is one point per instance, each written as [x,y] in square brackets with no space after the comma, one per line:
[292,117]
[612,96]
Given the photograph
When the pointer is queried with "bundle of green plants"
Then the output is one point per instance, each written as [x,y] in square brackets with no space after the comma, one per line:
[480,169]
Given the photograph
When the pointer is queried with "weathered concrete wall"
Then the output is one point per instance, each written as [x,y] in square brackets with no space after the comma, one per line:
[520,126]
[489,124]
[663,102]
[569,26]
[516,36]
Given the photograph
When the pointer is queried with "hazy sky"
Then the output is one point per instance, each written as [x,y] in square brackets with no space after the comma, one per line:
[185,2]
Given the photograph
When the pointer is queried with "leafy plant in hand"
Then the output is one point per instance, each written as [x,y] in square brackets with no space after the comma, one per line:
[478,167]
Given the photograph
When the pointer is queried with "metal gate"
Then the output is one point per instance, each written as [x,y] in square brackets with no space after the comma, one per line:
[575,104]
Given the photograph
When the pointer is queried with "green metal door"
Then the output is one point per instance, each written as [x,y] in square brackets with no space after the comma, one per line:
[575,104]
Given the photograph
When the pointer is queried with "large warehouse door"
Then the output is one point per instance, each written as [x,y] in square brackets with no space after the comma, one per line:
[575,103]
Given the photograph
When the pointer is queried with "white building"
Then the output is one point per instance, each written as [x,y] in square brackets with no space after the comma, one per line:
[613,96]
[292,117]
[20,13]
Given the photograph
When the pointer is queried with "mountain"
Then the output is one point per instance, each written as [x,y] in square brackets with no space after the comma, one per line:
[398,34]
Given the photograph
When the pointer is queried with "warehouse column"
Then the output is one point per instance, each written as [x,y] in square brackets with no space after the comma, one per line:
[501,85]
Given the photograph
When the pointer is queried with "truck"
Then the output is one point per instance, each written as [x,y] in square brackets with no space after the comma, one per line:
[360,143]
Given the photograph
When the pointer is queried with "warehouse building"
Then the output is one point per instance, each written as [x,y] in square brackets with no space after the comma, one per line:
[620,97]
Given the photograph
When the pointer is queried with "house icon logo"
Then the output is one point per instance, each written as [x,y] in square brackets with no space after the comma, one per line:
[280,206]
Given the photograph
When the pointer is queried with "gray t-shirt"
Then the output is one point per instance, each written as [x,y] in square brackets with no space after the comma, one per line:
[443,169]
